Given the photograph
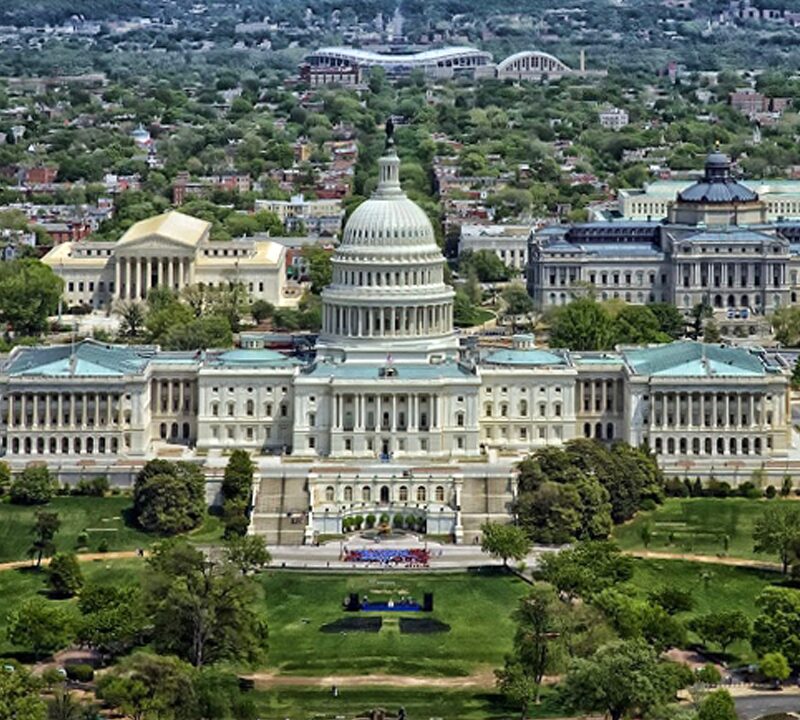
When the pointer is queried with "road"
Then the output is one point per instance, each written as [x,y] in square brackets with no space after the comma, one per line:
[750,707]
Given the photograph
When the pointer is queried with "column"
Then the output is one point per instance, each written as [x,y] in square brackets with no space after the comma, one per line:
[413,415]
[663,410]
[48,415]
[97,410]
[109,409]
[738,410]
[752,416]
[181,396]
[60,410]
[727,410]
[160,262]
[73,415]
[169,396]
[702,409]
[604,397]
[393,419]
[171,273]
[714,409]
[35,401]
[127,293]
[117,277]
[378,412]
[23,419]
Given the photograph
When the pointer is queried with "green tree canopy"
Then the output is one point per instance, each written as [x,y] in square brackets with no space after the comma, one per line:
[34,486]
[170,501]
[777,530]
[504,541]
[64,575]
[29,294]
[39,626]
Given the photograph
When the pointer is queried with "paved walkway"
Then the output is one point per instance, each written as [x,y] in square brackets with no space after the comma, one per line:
[82,557]
[710,559]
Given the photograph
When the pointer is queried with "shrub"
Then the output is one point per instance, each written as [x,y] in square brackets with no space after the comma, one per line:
[770,492]
[675,487]
[370,521]
[708,674]
[648,504]
[34,486]
[83,540]
[358,522]
[103,546]
[80,672]
[397,521]
[748,490]
[64,575]
[384,519]
[717,488]
[92,487]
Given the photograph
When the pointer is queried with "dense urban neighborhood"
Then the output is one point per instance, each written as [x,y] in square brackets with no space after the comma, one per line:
[399,360]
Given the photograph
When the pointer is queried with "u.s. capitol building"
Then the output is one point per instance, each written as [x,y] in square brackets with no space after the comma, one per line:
[390,416]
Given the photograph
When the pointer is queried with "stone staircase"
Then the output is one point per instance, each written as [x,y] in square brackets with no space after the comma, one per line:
[280,508]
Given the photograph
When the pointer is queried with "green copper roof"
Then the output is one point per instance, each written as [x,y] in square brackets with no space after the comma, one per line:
[400,372]
[691,359]
[85,359]
[524,357]
[250,358]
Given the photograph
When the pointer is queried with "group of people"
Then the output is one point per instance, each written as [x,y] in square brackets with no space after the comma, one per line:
[408,557]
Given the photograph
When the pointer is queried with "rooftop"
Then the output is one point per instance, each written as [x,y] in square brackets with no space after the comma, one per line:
[85,359]
[694,360]
[182,229]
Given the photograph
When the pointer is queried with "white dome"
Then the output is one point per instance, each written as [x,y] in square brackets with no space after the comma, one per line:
[388,221]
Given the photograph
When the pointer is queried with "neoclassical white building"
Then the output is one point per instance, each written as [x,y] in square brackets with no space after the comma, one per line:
[171,250]
[391,416]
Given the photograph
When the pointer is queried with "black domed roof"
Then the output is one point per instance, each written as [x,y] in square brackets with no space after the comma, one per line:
[717,185]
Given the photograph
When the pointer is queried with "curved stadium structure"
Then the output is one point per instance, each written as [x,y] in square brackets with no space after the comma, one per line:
[442,61]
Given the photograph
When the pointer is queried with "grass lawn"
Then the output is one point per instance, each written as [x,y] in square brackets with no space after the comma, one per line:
[713,588]
[102,518]
[477,608]
[16,586]
[698,525]
[318,703]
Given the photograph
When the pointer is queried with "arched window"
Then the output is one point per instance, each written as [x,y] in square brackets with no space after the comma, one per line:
[487,410]
[366,494]
[186,431]
[162,431]
[587,430]
[329,493]
[422,495]
[348,494]
[610,431]
[523,408]
[439,494]
[384,494]
[215,409]
[231,409]
[504,410]
[250,408]
[460,419]
[403,493]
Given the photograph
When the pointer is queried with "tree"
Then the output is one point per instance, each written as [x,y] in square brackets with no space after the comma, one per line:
[711,333]
[29,294]
[320,267]
[582,324]
[261,310]
[38,625]
[776,531]
[64,705]
[132,317]
[550,513]
[5,478]
[717,705]
[487,266]
[172,501]
[111,619]
[504,541]
[774,666]
[34,486]
[64,575]
[621,677]
[586,569]
[517,301]
[722,628]
[517,684]
[44,532]
[201,611]
[146,685]
[248,553]
[638,325]
[777,626]
[670,319]
[201,333]
[237,488]
[19,695]
[646,534]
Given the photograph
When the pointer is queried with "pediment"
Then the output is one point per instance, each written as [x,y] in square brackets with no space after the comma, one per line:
[155,244]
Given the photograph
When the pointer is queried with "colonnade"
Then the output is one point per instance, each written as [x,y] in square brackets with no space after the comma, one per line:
[727,274]
[411,321]
[136,276]
[28,410]
[171,396]
[722,410]
[600,396]
[390,412]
